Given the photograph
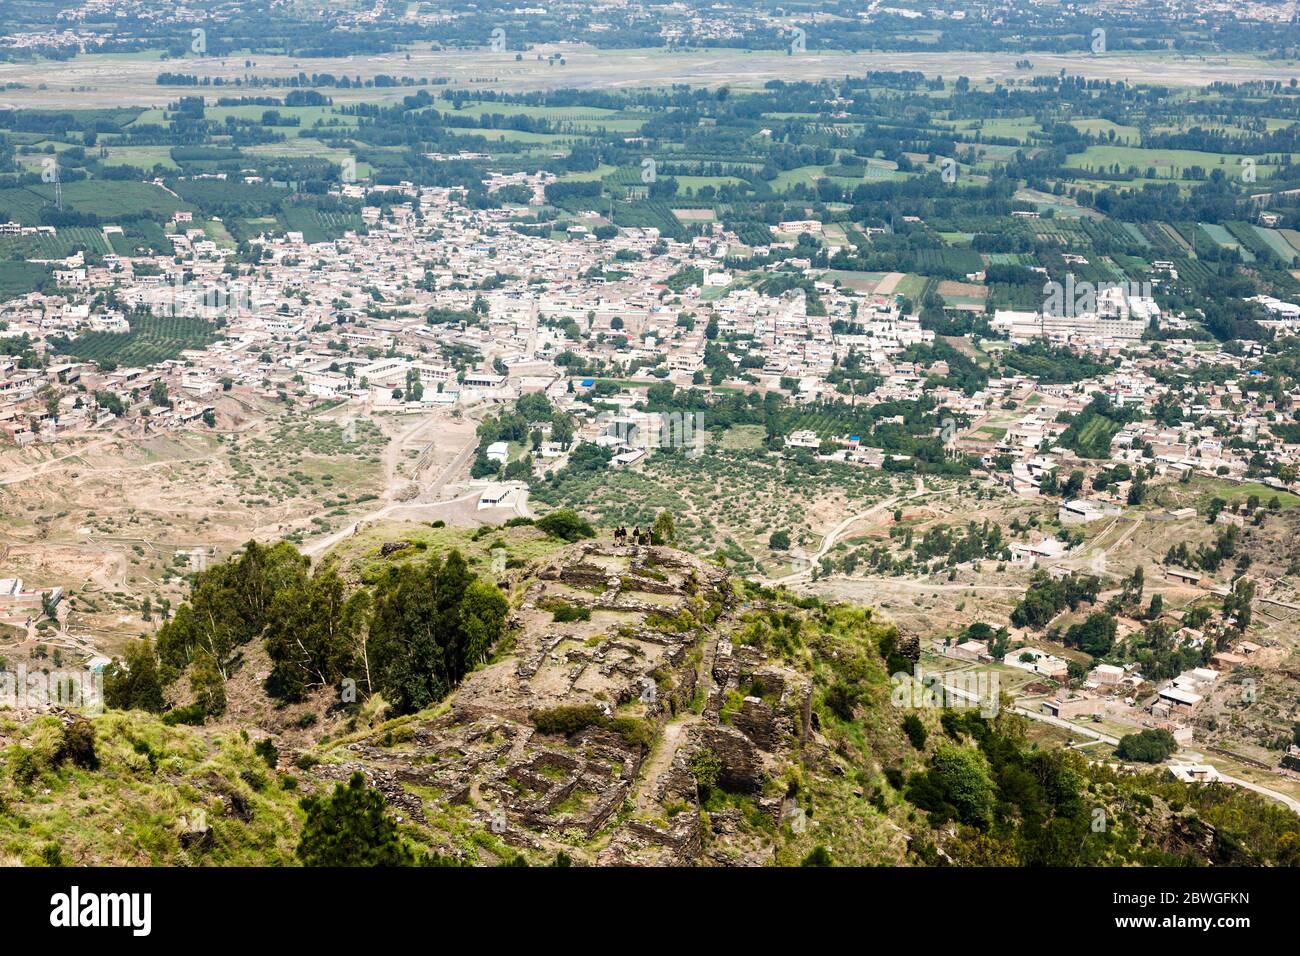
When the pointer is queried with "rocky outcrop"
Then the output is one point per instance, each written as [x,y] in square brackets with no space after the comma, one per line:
[742,768]
[620,677]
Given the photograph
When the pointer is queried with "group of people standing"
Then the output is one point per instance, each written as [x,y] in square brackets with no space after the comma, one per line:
[637,535]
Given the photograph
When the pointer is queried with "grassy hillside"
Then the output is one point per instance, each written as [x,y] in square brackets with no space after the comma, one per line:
[776,736]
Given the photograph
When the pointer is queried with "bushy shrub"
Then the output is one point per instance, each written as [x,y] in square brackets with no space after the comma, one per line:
[79,744]
[634,731]
[567,721]
[23,765]
[915,731]
[351,827]
[266,749]
[566,613]
[567,525]
[707,768]
[819,856]
[1147,746]
[190,714]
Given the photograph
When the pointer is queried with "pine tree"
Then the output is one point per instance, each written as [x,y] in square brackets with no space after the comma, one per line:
[351,827]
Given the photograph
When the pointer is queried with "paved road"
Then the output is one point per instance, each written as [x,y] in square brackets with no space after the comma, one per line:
[1183,756]
[1189,756]
[1066,725]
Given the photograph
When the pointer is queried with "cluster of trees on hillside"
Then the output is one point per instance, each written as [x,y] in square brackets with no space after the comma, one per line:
[1206,557]
[411,637]
[521,425]
[958,545]
[1047,596]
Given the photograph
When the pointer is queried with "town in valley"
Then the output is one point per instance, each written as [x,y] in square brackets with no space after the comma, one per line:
[623,434]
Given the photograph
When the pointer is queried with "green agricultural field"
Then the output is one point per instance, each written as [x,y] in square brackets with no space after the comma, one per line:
[1124,135]
[600,172]
[696,183]
[152,339]
[65,242]
[112,201]
[806,175]
[317,225]
[141,157]
[1206,489]
[1220,235]
[563,118]
[1168,163]
[911,286]
[305,146]
[1017,128]
[307,116]
[22,204]
[1277,242]
[20,278]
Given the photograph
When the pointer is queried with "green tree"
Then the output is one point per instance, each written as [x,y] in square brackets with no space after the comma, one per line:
[351,827]
[1095,635]
[915,730]
[432,623]
[311,634]
[819,856]
[665,528]
[414,385]
[79,744]
[207,684]
[1147,746]
[1238,604]
[962,777]
[567,525]
[133,684]
[229,606]
[1216,505]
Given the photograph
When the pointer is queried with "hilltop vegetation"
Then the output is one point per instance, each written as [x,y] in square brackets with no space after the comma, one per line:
[877,779]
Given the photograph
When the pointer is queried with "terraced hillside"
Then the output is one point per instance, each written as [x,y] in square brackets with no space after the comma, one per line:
[642,708]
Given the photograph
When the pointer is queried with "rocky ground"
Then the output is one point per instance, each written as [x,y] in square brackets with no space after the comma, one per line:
[648,683]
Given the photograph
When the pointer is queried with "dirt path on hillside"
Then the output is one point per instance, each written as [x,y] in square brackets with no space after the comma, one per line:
[662,759]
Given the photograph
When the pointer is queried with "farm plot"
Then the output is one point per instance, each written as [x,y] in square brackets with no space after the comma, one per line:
[1277,242]
[152,339]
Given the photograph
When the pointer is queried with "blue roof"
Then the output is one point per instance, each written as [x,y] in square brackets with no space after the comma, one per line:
[587,382]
